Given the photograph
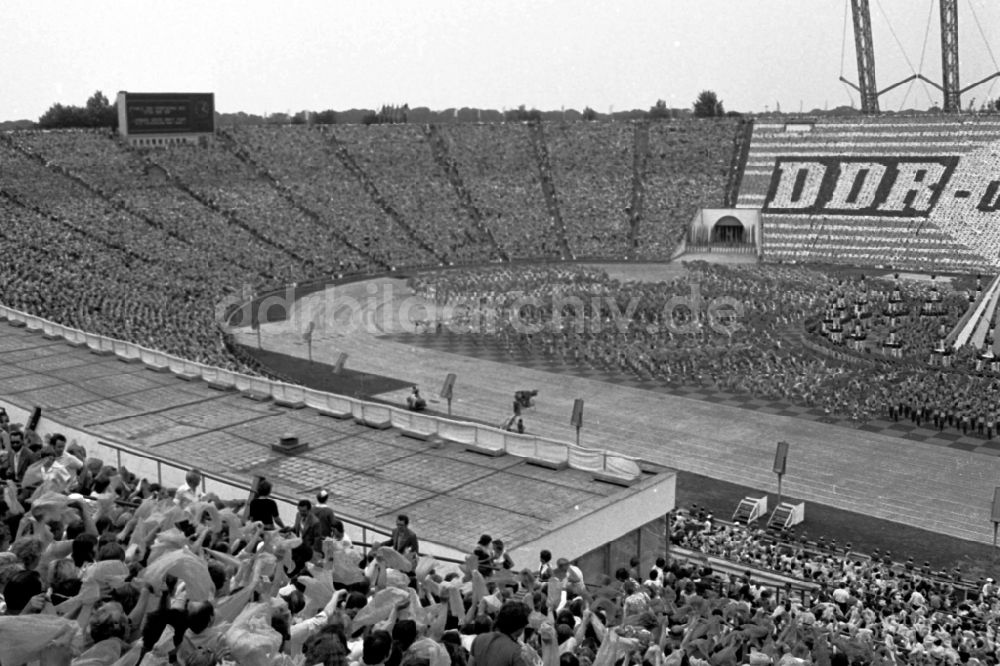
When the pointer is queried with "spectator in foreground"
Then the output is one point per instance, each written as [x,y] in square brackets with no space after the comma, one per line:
[325,516]
[501,646]
[403,540]
[190,492]
[263,509]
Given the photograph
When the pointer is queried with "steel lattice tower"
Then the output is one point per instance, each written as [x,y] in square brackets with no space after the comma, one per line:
[949,56]
[866,55]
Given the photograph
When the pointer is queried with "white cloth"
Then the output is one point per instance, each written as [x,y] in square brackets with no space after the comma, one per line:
[301,631]
[70,462]
[186,495]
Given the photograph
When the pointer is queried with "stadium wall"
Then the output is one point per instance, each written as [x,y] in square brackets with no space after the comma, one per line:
[919,193]
[593,538]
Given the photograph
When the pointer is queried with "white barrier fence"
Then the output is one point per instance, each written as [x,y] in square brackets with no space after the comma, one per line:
[470,434]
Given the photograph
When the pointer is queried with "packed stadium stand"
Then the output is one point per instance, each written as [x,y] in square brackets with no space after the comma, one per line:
[947,232]
[265,206]
[686,168]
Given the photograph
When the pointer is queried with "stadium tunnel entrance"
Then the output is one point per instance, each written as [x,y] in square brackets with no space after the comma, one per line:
[728,230]
[724,229]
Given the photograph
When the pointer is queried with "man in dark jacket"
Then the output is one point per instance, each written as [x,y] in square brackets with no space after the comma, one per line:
[403,539]
[19,457]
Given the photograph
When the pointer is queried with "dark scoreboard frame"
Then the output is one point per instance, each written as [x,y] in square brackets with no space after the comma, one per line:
[170,113]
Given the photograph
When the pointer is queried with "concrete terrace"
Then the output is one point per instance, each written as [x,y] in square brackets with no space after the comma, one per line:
[451,494]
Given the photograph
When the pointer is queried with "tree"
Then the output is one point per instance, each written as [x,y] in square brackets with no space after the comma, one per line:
[708,105]
[387,115]
[589,114]
[100,112]
[328,117]
[522,114]
[97,112]
[659,111]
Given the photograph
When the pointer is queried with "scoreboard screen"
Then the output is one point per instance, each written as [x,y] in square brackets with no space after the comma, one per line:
[169,113]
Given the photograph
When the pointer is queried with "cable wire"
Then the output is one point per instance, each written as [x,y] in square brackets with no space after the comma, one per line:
[850,94]
[843,39]
[907,94]
[896,37]
[983,35]
[923,51]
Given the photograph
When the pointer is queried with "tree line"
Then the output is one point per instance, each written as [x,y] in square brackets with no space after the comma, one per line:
[99,112]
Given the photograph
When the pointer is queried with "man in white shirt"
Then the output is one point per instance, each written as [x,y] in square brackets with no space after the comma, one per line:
[190,492]
[48,472]
[566,577]
[300,629]
[67,460]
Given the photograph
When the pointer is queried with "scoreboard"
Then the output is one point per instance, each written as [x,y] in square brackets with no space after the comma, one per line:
[166,113]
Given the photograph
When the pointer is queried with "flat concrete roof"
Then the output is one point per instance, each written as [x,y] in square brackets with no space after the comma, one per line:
[451,495]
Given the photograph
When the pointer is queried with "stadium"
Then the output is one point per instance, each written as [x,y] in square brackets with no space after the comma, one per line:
[559,335]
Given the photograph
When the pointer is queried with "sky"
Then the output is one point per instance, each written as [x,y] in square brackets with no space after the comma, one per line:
[285,56]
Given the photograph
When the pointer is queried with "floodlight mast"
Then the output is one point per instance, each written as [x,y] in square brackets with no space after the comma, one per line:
[864,49]
[950,86]
[865,52]
[949,56]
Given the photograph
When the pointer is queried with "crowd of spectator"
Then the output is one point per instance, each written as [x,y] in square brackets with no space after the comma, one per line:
[79,272]
[878,609]
[101,568]
[308,165]
[593,174]
[266,206]
[685,170]
[407,172]
[856,241]
[129,179]
[810,235]
[144,244]
[499,170]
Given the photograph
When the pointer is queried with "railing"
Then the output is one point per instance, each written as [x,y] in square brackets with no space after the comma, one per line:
[470,434]
[721,248]
[171,474]
[766,577]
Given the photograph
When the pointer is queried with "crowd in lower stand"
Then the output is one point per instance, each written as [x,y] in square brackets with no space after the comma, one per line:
[99,567]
